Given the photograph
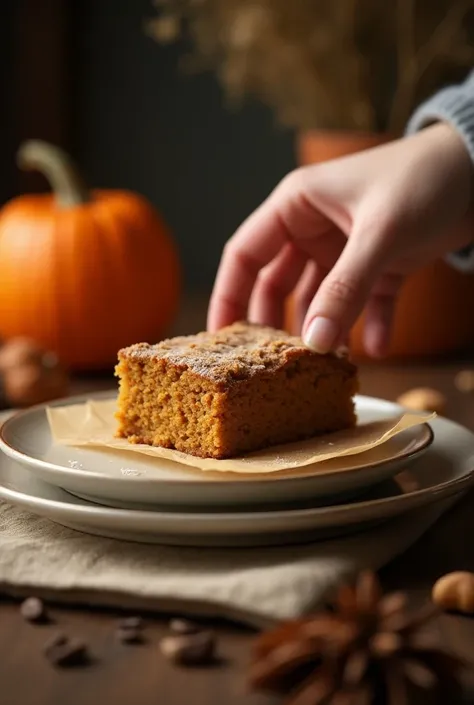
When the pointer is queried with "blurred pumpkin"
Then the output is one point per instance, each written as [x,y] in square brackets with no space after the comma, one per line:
[29,374]
[83,273]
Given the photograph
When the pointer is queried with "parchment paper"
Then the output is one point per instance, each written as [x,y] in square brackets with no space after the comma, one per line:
[93,424]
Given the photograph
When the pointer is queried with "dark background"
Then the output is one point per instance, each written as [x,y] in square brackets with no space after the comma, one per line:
[84,74]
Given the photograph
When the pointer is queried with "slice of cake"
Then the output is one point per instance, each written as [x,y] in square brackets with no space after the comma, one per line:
[220,395]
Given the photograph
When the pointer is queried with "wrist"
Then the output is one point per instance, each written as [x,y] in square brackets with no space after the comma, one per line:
[449,140]
[452,158]
[453,106]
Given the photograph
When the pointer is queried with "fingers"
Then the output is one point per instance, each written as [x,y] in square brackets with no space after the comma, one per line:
[304,293]
[379,315]
[287,215]
[254,246]
[274,283]
[343,293]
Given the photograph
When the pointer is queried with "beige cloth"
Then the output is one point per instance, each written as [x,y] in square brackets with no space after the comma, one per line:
[256,586]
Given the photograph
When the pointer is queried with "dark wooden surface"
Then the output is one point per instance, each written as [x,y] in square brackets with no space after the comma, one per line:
[122,675]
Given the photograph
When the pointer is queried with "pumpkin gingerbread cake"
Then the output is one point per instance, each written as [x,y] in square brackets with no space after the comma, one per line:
[241,389]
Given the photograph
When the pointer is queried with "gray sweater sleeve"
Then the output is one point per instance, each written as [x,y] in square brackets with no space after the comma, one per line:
[455,105]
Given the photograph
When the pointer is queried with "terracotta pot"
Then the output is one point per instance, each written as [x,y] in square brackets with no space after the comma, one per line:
[434,315]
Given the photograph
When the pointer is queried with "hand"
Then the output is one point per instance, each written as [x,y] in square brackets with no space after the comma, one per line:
[343,235]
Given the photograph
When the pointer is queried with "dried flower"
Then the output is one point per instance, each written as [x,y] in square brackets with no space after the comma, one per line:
[367,650]
[345,64]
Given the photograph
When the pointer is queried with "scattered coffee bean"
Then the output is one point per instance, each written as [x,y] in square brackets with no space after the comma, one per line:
[131,623]
[130,635]
[189,649]
[65,651]
[130,630]
[182,626]
[55,640]
[33,610]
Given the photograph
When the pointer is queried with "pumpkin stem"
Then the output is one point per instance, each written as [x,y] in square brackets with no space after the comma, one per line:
[58,169]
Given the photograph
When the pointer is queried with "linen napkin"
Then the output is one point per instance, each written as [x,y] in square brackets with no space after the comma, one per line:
[255,586]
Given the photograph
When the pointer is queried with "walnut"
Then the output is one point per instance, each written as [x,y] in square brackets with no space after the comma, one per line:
[29,374]
[455,591]
[423,399]
[464,381]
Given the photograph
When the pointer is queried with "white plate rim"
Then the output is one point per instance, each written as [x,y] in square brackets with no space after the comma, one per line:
[24,459]
[415,498]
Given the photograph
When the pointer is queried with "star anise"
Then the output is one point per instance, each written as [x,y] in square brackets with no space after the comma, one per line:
[366,650]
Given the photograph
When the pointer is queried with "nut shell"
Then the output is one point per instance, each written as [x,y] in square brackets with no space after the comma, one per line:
[455,591]
[464,381]
[29,374]
[423,399]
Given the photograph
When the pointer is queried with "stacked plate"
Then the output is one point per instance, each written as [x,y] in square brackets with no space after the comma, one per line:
[135,497]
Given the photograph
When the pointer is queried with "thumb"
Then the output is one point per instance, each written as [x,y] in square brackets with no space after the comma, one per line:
[342,296]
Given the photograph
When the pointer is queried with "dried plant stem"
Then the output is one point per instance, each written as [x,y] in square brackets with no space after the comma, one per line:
[407,63]
[405,34]
[463,55]
[411,72]
[362,107]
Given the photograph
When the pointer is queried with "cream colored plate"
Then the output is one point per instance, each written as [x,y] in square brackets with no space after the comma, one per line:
[133,480]
[445,470]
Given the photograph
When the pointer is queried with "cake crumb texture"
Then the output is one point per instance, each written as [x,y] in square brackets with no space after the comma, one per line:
[241,389]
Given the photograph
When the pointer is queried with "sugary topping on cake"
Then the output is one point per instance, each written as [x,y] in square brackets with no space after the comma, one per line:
[235,352]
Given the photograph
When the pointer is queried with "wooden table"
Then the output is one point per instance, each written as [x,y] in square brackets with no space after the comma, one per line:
[138,675]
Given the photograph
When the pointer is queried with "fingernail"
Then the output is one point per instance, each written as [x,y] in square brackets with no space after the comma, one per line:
[321,334]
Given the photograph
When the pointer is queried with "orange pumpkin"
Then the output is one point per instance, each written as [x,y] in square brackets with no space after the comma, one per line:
[83,273]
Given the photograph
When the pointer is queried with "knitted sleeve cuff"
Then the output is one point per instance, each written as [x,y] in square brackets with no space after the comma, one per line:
[454,105]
